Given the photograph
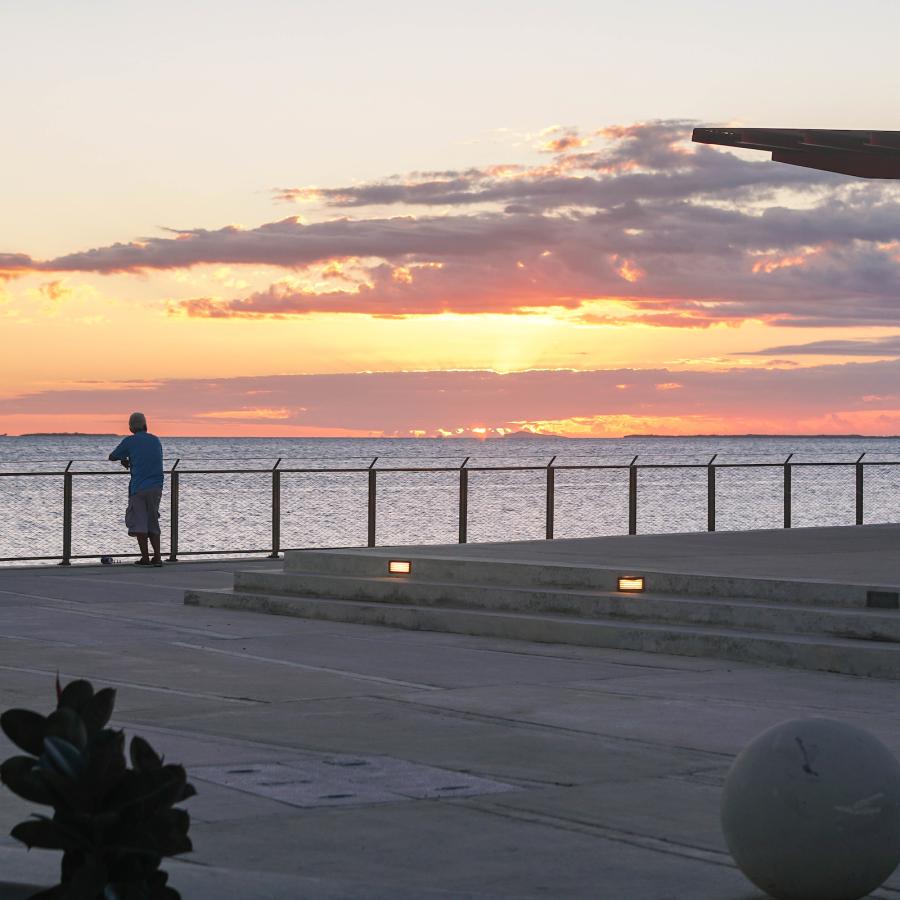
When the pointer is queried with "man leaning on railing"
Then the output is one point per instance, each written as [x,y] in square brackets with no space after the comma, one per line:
[142,455]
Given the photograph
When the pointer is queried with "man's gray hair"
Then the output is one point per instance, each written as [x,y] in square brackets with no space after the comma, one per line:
[137,421]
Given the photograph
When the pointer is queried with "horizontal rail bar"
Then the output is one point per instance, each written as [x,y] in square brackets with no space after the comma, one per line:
[4,559]
[449,469]
[262,554]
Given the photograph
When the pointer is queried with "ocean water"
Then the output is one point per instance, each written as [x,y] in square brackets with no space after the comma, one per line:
[228,511]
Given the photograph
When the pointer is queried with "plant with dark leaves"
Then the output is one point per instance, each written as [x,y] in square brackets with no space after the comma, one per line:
[114,824]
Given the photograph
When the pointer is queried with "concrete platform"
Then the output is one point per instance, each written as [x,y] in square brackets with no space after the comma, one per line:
[586,772]
[824,599]
[865,554]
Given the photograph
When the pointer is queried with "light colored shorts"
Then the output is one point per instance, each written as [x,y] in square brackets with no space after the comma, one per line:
[142,515]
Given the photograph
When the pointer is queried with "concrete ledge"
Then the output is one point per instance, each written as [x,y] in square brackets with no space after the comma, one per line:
[506,571]
[743,614]
[796,651]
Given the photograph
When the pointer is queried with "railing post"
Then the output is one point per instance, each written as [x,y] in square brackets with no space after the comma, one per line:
[463,501]
[173,513]
[67,517]
[551,499]
[859,490]
[632,497]
[711,494]
[372,488]
[787,491]
[276,511]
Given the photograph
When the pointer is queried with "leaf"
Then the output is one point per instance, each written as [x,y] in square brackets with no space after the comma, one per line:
[66,723]
[47,835]
[54,893]
[165,834]
[178,819]
[143,757]
[69,795]
[106,762]
[25,729]
[143,793]
[169,829]
[76,695]
[88,881]
[72,861]
[21,775]
[62,757]
[99,710]
[158,879]
[130,890]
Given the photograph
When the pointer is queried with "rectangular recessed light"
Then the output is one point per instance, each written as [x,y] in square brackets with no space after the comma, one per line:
[399,567]
[633,583]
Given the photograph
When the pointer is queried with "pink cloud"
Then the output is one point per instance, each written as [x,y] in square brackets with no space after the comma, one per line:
[389,403]
[684,235]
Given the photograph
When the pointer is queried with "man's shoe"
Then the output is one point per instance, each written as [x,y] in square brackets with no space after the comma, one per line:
[143,562]
[157,562]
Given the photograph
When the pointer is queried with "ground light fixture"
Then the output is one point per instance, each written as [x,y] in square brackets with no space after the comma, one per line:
[399,566]
[632,584]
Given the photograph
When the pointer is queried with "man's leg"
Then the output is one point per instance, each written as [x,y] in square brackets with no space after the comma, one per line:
[142,543]
[154,542]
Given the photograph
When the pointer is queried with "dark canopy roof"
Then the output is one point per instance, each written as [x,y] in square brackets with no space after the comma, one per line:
[869,154]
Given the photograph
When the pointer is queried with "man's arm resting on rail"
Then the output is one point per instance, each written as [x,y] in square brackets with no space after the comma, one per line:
[120,454]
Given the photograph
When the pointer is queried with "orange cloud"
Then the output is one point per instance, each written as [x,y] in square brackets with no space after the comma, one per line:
[250,415]
[628,270]
[774,262]
[559,140]
[54,290]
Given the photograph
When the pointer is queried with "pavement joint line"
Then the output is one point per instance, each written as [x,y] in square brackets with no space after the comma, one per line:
[619,835]
[635,839]
[220,714]
[381,804]
[136,685]
[725,701]
[37,640]
[138,621]
[529,723]
[147,584]
[295,665]
[290,751]
[36,596]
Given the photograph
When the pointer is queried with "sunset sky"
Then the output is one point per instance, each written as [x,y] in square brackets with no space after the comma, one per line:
[310,218]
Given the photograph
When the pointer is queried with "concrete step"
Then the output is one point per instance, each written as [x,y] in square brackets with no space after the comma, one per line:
[813,652]
[863,624]
[431,566]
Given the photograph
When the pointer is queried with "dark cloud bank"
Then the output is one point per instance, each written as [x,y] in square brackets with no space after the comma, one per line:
[685,235]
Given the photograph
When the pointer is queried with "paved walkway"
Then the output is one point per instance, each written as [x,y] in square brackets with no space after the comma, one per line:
[346,761]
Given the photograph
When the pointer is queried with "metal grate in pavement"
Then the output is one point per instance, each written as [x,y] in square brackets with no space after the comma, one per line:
[347,781]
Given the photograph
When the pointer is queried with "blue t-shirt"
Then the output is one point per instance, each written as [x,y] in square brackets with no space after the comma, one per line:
[144,451]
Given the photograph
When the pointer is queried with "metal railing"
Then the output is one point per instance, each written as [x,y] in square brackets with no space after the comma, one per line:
[463,471]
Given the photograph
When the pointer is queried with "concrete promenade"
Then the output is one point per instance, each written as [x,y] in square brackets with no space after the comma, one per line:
[350,761]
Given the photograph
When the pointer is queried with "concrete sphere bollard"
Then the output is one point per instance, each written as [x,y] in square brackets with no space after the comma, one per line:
[811,811]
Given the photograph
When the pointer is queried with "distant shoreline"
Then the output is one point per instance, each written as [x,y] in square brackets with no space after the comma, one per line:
[63,434]
[793,437]
[513,437]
